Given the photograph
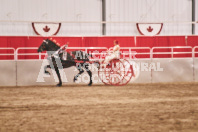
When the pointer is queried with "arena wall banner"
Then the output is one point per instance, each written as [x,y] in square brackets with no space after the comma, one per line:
[8,73]
[195,69]
[26,72]
[29,70]
[143,71]
[174,70]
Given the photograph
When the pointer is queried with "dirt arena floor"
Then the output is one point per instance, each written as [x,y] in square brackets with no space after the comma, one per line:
[99,108]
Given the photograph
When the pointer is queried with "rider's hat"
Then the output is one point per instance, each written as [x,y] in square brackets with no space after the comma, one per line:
[116,41]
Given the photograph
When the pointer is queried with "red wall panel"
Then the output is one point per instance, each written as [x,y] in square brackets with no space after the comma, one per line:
[192,41]
[108,41]
[160,41]
[177,40]
[144,41]
[157,41]
[24,41]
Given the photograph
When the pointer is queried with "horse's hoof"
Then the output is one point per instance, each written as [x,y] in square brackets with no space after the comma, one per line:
[90,84]
[58,85]
[74,80]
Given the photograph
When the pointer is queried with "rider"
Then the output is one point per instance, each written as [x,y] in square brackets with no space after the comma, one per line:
[114,53]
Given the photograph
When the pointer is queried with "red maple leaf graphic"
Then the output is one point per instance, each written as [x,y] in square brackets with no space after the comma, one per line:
[46,29]
[149,29]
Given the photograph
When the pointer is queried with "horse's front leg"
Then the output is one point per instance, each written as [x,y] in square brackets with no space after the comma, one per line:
[59,77]
[56,68]
[57,72]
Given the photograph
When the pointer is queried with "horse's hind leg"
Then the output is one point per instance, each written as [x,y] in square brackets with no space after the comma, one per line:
[45,69]
[86,66]
[80,72]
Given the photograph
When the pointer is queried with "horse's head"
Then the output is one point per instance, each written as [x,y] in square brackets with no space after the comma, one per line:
[44,46]
[48,45]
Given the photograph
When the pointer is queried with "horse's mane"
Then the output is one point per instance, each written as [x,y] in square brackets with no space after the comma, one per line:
[54,42]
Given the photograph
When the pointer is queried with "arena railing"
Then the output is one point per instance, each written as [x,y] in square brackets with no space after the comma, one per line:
[131,51]
[172,52]
[17,54]
[136,52]
[150,51]
[195,52]
[86,49]
[92,50]
[7,49]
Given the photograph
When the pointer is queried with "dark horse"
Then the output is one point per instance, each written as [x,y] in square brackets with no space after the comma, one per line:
[74,58]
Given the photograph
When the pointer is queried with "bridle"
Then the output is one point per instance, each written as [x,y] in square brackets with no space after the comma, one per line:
[45,41]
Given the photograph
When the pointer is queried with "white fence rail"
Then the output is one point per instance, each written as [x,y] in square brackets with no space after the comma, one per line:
[17,54]
[172,53]
[7,49]
[130,51]
[194,51]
